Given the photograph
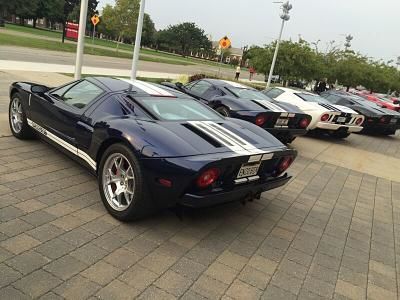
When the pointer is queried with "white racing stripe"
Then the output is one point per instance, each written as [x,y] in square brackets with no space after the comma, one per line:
[63,143]
[148,88]
[270,105]
[228,139]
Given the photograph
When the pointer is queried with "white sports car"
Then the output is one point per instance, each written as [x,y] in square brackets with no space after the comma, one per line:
[336,120]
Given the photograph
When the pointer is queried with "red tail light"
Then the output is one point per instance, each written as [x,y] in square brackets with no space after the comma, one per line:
[284,164]
[304,123]
[324,117]
[260,120]
[207,178]
[359,121]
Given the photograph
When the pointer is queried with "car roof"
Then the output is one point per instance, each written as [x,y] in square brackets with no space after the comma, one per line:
[226,83]
[138,87]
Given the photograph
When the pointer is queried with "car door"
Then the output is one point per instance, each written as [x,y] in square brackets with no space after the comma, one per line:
[59,110]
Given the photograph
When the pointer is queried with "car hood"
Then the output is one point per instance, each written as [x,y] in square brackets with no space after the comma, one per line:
[190,138]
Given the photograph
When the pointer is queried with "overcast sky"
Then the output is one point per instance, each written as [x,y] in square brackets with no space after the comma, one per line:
[375,24]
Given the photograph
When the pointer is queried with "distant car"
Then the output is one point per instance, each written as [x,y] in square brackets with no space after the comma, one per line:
[151,147]
[232,99]
[338,121]
[377,119]
[382,101]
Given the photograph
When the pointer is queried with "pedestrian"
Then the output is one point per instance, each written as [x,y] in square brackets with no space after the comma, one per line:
[252,71]
[322,86]
[237,72]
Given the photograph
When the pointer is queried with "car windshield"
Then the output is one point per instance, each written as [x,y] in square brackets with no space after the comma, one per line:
[312,98]
[248,93]
[178,109]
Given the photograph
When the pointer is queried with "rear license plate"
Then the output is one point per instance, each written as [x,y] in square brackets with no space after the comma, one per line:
[341,119]
[282,122]
[393,121]
[248,170]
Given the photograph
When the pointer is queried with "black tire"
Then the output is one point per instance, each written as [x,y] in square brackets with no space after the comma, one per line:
[339,135]
[26,131]
[142,204]
[223,111]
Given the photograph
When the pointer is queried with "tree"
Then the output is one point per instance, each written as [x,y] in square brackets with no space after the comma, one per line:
[149,30]
[188,37]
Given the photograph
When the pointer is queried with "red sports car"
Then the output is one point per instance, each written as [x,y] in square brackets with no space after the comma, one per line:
[382,101]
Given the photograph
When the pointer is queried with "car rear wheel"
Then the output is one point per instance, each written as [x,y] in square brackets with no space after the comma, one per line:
[17,119]
[122,186]
[223,111]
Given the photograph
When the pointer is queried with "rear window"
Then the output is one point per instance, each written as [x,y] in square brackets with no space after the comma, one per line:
[248,93]
[179,109]
[312,98]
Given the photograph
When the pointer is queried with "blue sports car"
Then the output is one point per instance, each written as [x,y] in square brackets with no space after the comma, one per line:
[150,146]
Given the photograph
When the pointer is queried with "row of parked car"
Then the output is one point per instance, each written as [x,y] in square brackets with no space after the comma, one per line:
[155,146]
[287,113]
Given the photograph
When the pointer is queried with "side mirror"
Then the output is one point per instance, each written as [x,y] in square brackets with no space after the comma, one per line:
[396,101]
[179,85]
[39,89]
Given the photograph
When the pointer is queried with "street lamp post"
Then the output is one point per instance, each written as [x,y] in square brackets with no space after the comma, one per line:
[81,39]
[138,40]
[286,7]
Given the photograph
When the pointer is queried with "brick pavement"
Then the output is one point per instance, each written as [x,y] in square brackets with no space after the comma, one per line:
[330,233]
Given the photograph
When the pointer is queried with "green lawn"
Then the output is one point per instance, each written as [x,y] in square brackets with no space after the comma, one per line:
[11,40]
[156,56]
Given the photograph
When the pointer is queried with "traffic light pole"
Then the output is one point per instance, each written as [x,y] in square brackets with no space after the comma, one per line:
[138,40]
[81,39]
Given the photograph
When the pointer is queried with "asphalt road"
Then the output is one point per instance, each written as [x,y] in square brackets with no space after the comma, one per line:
[54,57]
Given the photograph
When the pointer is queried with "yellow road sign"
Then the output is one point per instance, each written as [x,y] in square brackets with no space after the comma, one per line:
[225,43]
[95,20]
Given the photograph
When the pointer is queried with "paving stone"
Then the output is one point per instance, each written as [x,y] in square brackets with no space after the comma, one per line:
[4,254]
[101,273]
[201,256]
[188,268]
[89,253]
[54,248]
[348,290]
[374,292]
[27,262]
[241,290]
[12,293]
[293,268]
[275,293]
[30,205]
[68,222]
[209,287]
[221,272]
[98,226]
[9,213]
[8,275]
[38,218]
[173,283]
[65,267]
[157,262]
[323,273]
[138,277]
[117,290]
[319,287]
[263,264]
[37,283]
[122,258]
[77,237]
[287,282]
[191,295]
[154,293]
[254,277]
[77,287]
[45,232]
[19,243]
[51,296]
[14,227]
